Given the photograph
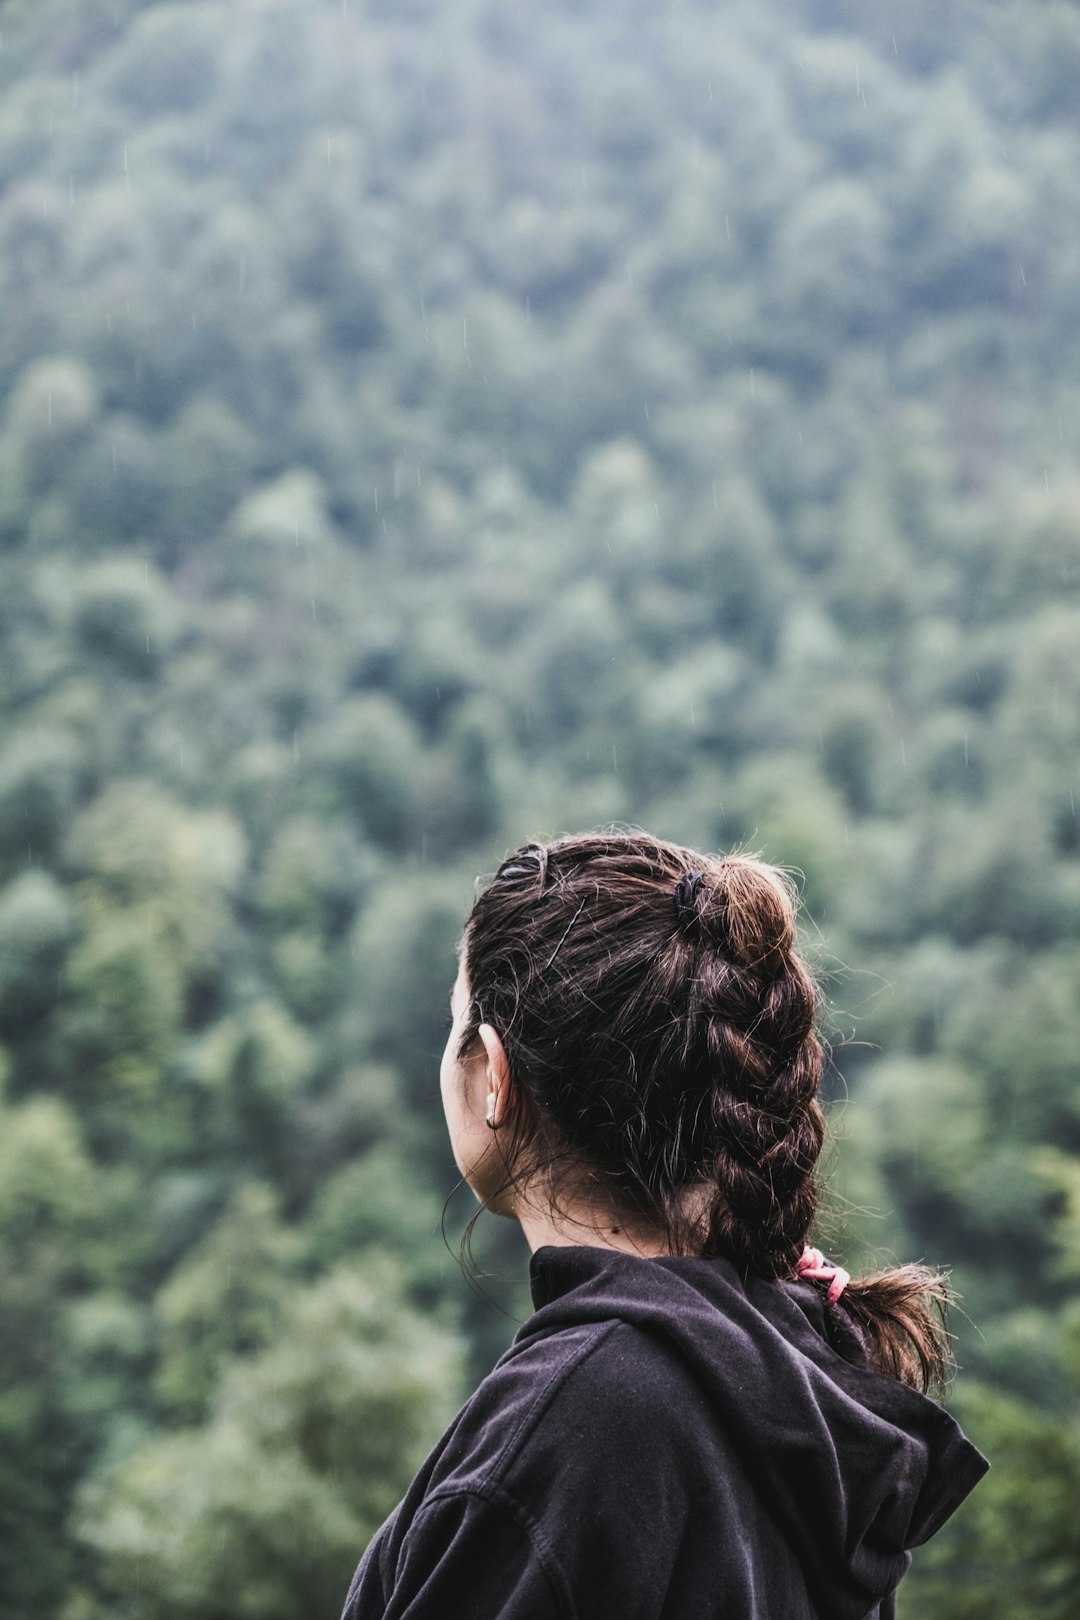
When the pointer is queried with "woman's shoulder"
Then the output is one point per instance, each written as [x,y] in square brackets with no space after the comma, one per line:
[573,1400]
[528,1487]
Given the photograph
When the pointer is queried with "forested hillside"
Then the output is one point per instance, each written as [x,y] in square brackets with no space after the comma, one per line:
[430,424]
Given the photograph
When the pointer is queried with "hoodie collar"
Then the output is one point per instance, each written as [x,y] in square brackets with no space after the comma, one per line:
[858,1467]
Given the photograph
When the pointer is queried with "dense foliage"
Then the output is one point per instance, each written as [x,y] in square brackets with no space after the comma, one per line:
[426,424]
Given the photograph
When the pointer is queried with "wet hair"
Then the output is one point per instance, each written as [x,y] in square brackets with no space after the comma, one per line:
[660,1031]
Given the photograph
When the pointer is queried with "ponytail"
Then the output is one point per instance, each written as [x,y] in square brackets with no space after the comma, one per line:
[770,1127]
[899,1321]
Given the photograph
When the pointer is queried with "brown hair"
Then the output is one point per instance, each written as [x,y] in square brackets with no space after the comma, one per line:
[660,1031]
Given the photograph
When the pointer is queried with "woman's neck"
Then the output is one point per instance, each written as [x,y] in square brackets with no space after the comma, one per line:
[580,1224]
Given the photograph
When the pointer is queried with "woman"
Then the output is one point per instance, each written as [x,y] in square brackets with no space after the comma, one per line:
[703,1416]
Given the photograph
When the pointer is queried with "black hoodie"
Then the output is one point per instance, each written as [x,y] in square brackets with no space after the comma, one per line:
[665,1439]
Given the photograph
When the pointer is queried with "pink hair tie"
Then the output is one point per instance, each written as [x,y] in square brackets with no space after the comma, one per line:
[813,1263]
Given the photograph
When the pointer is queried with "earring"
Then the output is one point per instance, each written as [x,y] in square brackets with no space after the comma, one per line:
[489,1118]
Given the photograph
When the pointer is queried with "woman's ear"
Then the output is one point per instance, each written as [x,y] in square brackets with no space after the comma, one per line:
[497,1074]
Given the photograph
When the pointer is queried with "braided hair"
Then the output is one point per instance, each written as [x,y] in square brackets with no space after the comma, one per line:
[659,1027]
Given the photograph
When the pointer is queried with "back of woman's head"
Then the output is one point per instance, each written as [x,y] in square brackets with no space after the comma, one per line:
[659,1026]
[659,1031]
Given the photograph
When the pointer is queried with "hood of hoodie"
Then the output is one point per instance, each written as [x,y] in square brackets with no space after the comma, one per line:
[856,1467]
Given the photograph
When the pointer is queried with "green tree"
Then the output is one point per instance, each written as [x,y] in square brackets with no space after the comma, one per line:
[266,1509]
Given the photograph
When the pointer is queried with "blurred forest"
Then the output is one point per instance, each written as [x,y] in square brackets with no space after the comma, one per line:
[429,424]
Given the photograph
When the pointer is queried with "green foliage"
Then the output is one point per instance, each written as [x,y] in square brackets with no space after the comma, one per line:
[225,1299]
[307,1448]
[422,432]
[52,406]
[36,926]
[123,617]
[252,1068]
[41,777]
[1012,1549]
[402,951]
[369,755]
[375,1202]
[47,1193]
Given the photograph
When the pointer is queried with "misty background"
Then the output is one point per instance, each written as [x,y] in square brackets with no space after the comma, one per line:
[427,425]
